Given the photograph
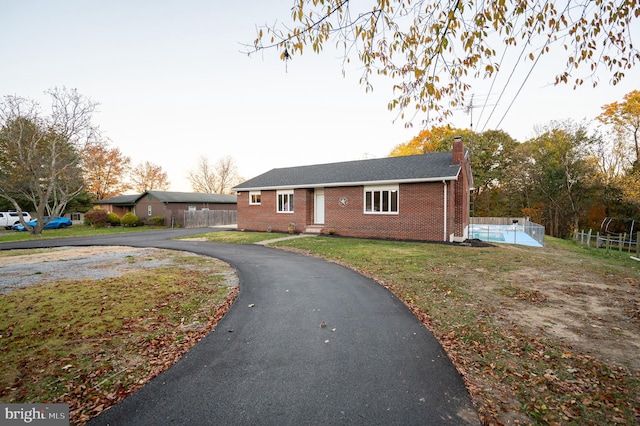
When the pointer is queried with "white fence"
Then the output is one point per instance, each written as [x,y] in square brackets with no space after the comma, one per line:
[205,218]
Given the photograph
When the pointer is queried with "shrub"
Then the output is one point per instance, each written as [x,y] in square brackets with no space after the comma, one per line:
[113,218]
[156,220]
[96,218]
[130,219]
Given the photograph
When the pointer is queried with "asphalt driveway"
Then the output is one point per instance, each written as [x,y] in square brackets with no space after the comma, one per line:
[307,342]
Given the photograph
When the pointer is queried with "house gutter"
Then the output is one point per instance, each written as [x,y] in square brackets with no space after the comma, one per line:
[444,237]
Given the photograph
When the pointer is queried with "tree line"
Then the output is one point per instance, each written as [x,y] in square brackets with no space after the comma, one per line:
[566,177]
[58,160]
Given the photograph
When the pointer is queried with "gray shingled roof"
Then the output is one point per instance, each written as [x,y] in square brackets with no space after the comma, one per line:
[129,199]
[173,197]
[412,168]
[192,197]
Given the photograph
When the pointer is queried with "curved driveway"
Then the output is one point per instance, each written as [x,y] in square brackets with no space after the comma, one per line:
[307,342]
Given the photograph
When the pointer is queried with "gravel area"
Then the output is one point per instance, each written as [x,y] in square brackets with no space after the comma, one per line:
[74,263]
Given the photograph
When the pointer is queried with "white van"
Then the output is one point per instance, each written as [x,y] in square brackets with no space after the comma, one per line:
[8,219]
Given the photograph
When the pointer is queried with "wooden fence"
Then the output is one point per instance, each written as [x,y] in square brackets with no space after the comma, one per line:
[206,218]
[623,243]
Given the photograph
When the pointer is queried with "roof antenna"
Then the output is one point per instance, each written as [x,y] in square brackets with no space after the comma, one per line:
[286,57]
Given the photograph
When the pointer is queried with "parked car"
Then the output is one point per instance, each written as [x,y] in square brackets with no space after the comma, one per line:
[8,219]
[55,222]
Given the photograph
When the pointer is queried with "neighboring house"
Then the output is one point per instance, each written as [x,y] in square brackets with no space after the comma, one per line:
[120,205]
[170,205]
[418,197]
[75,217]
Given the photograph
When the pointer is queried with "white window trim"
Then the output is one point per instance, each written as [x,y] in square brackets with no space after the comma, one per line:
[390,188]
[289,193]
[192,208]
[149,210]
[251,194]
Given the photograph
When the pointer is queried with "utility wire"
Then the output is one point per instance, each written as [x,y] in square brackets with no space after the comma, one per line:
[504,88]
[522,85]
[495,77]
[546,43]
[524,48]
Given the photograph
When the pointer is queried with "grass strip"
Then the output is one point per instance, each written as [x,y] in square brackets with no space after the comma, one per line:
[74,231]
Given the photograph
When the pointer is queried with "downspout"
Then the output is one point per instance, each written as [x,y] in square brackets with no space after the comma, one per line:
[444,237]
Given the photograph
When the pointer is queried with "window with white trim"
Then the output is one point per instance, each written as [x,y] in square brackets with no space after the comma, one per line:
[254,198]
[381,200]
[149,210]
[192,208]
[285,201]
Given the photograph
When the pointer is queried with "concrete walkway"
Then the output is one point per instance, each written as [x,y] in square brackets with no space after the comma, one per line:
[290,237]
[307,342]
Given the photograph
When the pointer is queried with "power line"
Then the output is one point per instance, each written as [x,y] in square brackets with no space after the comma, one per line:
[504,88]
[541,52]
[495,77]
[521,86]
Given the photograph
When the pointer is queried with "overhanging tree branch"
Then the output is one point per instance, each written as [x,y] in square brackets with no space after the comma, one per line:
[455,41]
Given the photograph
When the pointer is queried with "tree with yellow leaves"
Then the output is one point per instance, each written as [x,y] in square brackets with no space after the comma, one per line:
[432,50]
[624,117]
[490,153]
[435,139]
[148,176]
[105,170]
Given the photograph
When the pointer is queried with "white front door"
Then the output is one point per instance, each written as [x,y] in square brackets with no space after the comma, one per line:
[318,216]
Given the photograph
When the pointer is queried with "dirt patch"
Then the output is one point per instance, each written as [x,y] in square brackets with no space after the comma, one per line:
[48,265]
[595,312]
[57,254]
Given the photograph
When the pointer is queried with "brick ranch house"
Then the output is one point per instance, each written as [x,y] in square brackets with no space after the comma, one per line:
[418,197]
[170,205]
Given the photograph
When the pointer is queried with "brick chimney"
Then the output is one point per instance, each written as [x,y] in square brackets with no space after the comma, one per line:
[458,151]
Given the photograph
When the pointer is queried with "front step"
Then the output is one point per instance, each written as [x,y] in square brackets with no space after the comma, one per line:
[314,229]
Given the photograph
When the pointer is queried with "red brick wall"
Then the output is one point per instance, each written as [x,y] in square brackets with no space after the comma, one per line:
[264,217]
[420,213]
[461,205]
[461,195]
[119,210]
[157,207]
[462,199]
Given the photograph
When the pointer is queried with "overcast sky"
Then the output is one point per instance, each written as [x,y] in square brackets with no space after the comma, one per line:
[173,85]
